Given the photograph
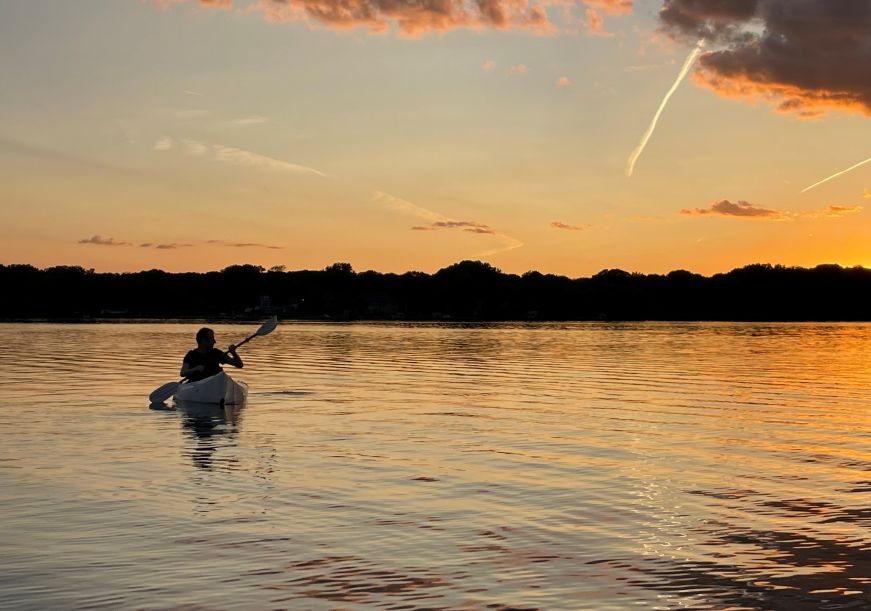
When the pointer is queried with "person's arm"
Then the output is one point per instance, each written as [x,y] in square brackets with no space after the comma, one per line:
[233,358]
[187,370]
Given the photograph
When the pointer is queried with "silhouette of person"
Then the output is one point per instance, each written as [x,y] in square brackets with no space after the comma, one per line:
[206,360]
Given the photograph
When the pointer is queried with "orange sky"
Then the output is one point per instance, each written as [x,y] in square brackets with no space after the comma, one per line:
[189,135]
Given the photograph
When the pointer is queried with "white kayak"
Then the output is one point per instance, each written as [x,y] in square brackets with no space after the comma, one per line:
[219,388]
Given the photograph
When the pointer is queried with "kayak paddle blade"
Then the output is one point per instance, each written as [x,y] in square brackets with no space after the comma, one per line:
[267,327]
[164,392]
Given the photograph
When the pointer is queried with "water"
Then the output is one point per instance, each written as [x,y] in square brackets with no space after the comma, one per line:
[565,466]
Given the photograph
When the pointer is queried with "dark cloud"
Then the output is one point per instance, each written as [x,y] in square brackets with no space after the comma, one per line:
[739,209]
[806,57]
[463,225]
[101,241]
[412,17]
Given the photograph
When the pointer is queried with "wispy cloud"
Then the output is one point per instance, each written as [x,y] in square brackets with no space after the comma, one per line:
[518,69]
[740,209]
[164,144]
[832,211]
[559,225]
[563,81]
[464,225]
[506,243]
[242,157]
[833,176]
[401,205]
[439,221]
[172,246]
[488,65]
[866,194]
[690,60]
[245,121]
[244,244]
[195,148]
[237,156]
[101,241]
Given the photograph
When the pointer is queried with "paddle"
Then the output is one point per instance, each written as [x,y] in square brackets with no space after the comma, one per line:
[163,393]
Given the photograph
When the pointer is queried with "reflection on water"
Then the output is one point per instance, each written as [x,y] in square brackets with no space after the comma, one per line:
[210,427]
[589,466]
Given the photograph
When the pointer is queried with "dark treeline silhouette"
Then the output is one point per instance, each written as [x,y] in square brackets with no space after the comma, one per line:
[466,291]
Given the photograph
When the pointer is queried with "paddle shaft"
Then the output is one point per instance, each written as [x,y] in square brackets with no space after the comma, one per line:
[265,329]
[246,340]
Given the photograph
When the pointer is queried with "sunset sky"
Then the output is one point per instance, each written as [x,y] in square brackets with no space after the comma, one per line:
[190,135]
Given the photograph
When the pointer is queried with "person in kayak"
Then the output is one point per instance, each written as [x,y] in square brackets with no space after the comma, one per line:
[206,360]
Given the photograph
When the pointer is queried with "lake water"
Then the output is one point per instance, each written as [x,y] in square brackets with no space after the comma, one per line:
[401,466]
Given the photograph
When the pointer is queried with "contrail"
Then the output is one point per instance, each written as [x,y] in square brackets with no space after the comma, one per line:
[630,165]
[850,169]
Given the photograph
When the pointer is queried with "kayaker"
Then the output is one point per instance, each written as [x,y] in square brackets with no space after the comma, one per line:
[206,360]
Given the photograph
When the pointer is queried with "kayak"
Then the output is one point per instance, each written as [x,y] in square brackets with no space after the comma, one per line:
[220,388]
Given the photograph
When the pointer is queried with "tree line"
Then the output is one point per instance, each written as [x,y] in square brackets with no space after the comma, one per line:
[464,291]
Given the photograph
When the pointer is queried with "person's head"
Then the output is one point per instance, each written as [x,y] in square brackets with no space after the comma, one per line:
[205,338]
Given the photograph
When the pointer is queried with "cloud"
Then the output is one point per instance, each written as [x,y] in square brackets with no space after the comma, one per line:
[614,7]
[412,18]
[164,4]
[400,205]
[563,81]
[101,241]
[739,209]
[743,209]
[645,138]
[236,156]
[488,65]
[172,246]
[806,57]
[518,69]
[833,176]
[866,194]
[244,244]
[464,225]
[595,23]
[833,211]
[507,243]
[164,144]
[245,121]
[195,148]
[559,225]
[439,221]
[241,157]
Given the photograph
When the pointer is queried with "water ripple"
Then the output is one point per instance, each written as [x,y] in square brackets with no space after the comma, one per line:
[423,466]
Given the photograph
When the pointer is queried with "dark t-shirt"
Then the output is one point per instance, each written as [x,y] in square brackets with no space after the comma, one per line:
[211,358]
